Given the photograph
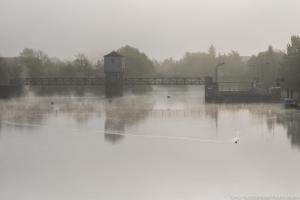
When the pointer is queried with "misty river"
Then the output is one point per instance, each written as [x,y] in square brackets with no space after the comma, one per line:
[166,144]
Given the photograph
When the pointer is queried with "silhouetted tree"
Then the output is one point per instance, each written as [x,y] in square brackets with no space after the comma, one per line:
[266,66]
[234,69]
[35,62]
[291,64]
[212,51]
[203,64]
[137,63]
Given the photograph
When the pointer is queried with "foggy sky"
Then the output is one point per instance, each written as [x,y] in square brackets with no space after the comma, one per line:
[160,28]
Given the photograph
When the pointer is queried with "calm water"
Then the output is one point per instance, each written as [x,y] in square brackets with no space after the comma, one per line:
[146,147]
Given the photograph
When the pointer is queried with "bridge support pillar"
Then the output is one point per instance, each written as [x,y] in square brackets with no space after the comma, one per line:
[113,84]
[211,89]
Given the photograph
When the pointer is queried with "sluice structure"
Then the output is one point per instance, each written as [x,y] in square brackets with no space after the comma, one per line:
[114,81]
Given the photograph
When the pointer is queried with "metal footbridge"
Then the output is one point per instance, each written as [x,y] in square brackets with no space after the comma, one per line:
[69,81]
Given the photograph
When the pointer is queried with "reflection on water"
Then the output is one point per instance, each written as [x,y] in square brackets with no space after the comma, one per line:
[20,114]
[151,142]
[291,121]
[120,114]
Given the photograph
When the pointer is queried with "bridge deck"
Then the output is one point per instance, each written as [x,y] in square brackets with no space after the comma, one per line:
[101,81]
[164,81]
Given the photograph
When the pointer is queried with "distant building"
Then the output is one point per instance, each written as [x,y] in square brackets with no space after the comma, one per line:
[114,63]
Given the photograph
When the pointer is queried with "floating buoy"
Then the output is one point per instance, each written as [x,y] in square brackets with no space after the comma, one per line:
[168,97]
[236,140]
[52,103]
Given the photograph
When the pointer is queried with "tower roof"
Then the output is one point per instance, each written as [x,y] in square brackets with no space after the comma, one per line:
[113,54]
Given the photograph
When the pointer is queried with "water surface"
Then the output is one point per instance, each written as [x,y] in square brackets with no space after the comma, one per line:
[146,146]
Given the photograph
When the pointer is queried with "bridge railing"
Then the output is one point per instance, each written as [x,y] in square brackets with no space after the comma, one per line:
[69,81]
[57,81]
[163,81]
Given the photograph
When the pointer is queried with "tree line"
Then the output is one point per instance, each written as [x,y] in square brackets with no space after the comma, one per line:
[265,67]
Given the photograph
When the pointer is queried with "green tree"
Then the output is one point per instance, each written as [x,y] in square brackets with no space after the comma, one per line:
[9,69]
[136,62]
[234,69]
[212,51]
[266,66]
[79,67]
[291,64]
[204,63]
[35,62]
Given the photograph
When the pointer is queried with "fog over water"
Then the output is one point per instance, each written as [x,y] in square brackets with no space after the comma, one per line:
[146,147]
[160,28]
